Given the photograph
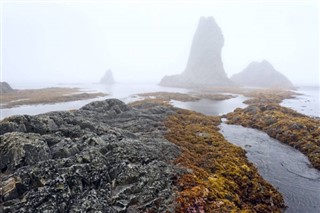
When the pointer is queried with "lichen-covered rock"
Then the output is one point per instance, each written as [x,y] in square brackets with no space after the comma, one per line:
[104,157]
[18,149]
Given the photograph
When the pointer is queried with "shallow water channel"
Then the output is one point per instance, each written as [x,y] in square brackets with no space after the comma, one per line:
[283,166]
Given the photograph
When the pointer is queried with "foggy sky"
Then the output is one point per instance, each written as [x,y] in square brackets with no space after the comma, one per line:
[76,41]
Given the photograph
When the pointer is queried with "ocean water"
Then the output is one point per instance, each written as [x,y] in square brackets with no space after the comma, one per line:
[307,103]
[125,92]
[283,166]
[210,107]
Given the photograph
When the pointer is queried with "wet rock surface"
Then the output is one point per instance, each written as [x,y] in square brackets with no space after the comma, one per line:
[286,125]
[284,167]
[105,157]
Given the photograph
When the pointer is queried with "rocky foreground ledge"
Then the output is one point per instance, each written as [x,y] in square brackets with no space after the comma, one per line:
[111,157]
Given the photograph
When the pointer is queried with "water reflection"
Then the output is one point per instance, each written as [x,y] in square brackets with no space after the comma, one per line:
[209,107]
[122,91]
[281,165]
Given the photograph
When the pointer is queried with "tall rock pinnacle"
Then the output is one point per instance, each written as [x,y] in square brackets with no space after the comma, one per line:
[204,67]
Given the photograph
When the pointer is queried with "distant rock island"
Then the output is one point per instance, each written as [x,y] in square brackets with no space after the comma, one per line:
[261,74]
[107,78]
[204,67]
[5,87]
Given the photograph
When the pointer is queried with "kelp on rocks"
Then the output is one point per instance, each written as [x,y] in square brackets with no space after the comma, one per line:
[283,124]
[221,179]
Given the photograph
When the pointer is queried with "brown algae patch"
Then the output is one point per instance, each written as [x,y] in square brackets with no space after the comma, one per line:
[45,96]
[183,97]
[286,125]
[220,177]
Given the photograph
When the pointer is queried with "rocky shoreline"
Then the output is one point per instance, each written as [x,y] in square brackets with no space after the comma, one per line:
[50,95]
[288,126]
[111,157]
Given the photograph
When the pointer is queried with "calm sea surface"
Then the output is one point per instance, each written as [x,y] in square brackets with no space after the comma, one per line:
[307,103]
[125,92]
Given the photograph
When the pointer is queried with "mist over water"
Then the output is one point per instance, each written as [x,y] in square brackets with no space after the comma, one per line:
[143,40]
[75,44]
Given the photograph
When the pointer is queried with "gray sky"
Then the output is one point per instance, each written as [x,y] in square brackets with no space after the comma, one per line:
[74,41]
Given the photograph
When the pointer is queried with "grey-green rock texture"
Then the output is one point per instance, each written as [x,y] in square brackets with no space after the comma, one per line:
[262,74]
[104,157]
[204,67]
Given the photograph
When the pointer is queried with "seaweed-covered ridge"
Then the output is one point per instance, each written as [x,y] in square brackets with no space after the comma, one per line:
[284,124]
[222,179]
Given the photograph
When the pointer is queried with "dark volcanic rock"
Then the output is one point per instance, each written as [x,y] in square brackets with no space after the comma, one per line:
[5,87]
[105,157]
[261,74]
[204,67]
[18,149]
[107,78]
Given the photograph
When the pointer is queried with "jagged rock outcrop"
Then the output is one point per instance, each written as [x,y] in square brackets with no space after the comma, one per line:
[204,67]
[5,87]
[105,157]
[107,78]
[262,74]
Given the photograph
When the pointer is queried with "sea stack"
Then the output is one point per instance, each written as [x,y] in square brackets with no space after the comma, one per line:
[5,87]
[204,67]
[107,78]
[262,74]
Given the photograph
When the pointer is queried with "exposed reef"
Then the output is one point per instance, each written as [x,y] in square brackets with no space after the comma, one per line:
[222,179]
[168,96]
[204,67]
[261,74]
[45,96]
[111,157]
[286,125]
